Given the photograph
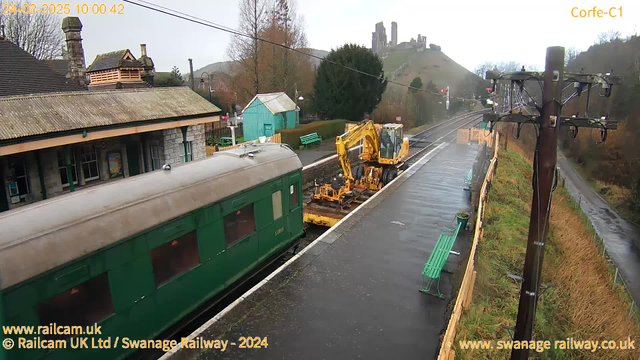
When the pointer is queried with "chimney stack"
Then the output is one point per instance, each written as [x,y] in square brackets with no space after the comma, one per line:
[149,69]
[75,54]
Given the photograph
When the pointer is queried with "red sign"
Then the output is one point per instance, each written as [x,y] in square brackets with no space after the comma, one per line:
[224,117]
[489,89]
[398,118]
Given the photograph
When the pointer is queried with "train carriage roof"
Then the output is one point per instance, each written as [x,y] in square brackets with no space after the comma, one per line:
[44,235]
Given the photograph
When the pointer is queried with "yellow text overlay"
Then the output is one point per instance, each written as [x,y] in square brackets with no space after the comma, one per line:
[543,345]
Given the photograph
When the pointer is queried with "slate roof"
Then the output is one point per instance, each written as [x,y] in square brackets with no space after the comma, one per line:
[21,73]
[38,114]
[58,65]
[113,60]
[276,102]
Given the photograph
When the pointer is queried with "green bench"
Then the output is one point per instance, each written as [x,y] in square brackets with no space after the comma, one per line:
[310,139]
[435,264]
[467,180]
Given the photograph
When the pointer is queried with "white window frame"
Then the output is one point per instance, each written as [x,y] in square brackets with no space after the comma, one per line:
[276,202]
[73,165]
[159,158]
[92,152]
[26,179]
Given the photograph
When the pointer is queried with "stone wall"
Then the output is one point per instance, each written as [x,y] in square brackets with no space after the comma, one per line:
[174,148]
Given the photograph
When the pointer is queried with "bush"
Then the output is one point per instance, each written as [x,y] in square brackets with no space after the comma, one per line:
[326,129]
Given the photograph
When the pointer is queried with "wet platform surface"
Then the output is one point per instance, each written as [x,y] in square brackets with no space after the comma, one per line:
[354,292]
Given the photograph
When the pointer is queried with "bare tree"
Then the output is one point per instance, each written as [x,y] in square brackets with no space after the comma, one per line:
[38,34]
[287,28]
[608,36]
[570,54]
[243,50]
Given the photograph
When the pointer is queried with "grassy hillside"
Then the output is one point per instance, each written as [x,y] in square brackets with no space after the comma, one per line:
[395,59]
[435,66]
[582,304]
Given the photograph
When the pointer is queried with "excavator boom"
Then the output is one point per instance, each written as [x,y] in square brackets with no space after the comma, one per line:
[344,142]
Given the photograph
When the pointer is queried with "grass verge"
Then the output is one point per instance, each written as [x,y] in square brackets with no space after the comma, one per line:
[582,304]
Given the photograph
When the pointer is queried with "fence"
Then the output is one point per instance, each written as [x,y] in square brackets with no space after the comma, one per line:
[274,139]
[481,136]
[463,300]
[617,277]
[219,129]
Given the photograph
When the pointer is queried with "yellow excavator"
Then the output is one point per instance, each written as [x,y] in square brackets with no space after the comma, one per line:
[384,150]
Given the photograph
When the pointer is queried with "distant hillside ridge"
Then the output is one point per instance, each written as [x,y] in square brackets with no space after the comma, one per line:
[228,68]
[430,65]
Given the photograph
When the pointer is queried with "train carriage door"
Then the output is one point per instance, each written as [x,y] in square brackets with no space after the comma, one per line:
[295,221]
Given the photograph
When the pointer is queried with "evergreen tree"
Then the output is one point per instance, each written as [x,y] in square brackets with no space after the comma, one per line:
[344,93]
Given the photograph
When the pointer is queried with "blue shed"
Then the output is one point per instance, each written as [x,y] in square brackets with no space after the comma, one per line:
[266,113]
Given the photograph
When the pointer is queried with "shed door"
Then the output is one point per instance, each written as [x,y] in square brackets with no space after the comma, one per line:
[133,158]
[268,129]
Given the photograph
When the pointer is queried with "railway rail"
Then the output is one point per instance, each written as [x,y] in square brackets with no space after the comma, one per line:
[418,144]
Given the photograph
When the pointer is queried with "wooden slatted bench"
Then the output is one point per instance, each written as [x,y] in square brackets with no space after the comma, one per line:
[310,139]
[435,264]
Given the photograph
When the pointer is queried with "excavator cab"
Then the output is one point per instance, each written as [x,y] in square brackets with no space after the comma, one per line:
[392,144]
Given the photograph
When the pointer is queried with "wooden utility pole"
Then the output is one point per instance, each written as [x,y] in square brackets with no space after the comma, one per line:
[543,179]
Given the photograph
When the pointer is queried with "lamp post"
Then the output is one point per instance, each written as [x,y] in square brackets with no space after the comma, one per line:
[208,84]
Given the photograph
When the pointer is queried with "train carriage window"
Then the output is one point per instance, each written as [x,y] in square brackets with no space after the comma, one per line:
[238,225]
[293,190]
[83,305]
[174,258]
[276,200]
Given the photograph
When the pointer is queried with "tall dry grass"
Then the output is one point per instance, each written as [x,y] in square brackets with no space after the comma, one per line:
[583,276]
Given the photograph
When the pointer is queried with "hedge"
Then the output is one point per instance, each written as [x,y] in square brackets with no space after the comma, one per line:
[328,130]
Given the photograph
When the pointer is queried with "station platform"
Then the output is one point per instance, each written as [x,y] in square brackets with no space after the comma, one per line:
[354,292]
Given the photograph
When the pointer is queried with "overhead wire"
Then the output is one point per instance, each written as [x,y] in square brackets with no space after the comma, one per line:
[187,17]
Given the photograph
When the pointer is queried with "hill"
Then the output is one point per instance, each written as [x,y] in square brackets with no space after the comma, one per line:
[228,68]
[429,65]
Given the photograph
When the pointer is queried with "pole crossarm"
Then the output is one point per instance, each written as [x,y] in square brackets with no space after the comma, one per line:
[599,123]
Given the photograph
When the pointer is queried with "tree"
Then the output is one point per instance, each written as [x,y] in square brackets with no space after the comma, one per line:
[174,78]
[38,34]
[570,54]
[284,69]
[344,93]
[608,36]
[416,83]
[244,50]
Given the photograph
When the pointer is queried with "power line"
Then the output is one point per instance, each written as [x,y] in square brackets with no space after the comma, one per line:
[207,23]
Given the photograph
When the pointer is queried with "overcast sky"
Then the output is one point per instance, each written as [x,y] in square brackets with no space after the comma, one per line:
[470,32]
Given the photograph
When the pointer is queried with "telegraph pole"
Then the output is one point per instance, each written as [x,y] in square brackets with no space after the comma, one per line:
[543,178]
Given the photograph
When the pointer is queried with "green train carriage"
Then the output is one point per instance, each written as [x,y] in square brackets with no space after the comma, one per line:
[137,255]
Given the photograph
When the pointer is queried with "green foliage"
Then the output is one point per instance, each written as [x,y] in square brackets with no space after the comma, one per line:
[501,252]
[328,130]
[174,78]
[344,93]
[416,83]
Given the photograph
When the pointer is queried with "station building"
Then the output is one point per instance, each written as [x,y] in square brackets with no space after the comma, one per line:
[58,133]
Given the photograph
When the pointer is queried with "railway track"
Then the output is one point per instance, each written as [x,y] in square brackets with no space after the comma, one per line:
[419,143]
[465,121]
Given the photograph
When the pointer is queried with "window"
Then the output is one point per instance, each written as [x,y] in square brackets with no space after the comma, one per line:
[90,163]
[238,225]
[293,191]
[174,258]
[83,305]
[188,148]
[156,157]
[276,200]
[19,185]
[63,168]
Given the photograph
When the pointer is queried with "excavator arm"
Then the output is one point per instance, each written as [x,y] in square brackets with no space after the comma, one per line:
[344,142]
